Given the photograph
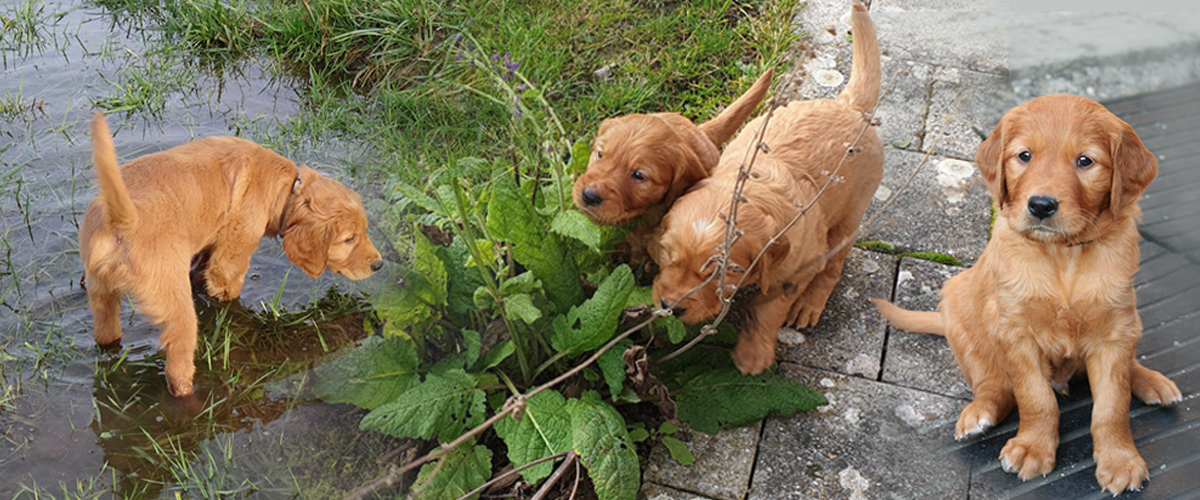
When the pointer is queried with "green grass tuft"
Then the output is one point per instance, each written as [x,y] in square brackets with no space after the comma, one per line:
[876,246]
[940,258]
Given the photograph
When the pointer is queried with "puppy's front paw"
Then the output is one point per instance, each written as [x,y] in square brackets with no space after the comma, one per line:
[974,420]
[1028,458]
[1119,469]
[1154,388]
[752,358]
[805,313]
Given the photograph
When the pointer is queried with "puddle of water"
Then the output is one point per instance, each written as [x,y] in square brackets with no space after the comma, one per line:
[75,418]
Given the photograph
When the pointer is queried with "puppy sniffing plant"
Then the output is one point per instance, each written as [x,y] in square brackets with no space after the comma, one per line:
[510,337]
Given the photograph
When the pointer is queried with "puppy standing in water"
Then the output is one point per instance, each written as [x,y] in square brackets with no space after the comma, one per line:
[806,140]
[218,196]
[1052,295]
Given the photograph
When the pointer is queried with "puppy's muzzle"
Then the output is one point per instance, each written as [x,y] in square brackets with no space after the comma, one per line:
[1042,207]
[590,197]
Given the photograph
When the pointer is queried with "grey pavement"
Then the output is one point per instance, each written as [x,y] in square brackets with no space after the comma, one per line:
[951,69]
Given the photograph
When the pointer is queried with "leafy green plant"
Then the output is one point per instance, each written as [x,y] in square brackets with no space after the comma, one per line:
[508,296]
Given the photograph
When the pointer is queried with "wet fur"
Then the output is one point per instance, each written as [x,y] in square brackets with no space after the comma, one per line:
[796,275]
[215,197]
[1050,299]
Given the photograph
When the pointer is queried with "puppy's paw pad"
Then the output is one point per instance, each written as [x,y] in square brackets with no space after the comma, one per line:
[1028,459]
[1121,470]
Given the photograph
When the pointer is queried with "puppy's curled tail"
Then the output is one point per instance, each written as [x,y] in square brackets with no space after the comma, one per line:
[911,321]
[118,208]
[862,92]
[720,129]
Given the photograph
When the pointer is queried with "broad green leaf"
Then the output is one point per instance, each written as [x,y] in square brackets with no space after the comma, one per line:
[482,298]
[723,397]
[612,365]
[472,343]
[573,224]
[497,355]
[417,302]
[581,153]
[667,428]
[521,283]
[442,406]
[427,262]
[679,451]
[544,430]
[461,281]
[374,373]
[597,318]
[513,219]
[641,296]
[602,442]
[676,330]
[639,434]
[521,306]
[420,198]
[462,470]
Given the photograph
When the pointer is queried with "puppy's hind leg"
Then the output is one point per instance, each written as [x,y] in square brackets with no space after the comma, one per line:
[164,294]
[1152,387]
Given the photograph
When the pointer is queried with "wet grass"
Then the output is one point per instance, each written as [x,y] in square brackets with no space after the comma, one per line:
[403,74]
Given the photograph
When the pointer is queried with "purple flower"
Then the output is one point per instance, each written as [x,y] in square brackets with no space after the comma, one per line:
[517,105]
[470,47]
[495,57]
[521,88]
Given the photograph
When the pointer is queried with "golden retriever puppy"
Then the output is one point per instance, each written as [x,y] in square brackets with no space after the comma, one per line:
[219,196]
[641,161]
[1052,295]
[797,272]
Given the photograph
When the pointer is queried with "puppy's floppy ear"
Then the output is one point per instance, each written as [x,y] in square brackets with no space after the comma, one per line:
[1134,167]
[765,271]
[990,160]
[307,234]
[693,159]
[306,241]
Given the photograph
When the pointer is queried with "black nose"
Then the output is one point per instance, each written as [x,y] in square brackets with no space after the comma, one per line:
[591,198]
[1042,206]
[377,265]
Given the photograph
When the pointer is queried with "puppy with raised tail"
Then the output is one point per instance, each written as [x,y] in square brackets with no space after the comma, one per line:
[216,196]
[806,141]
[1052,294]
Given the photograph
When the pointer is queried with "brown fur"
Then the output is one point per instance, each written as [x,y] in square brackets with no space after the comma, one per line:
[795,275]
[1053,297]
[670,151]
[219,196]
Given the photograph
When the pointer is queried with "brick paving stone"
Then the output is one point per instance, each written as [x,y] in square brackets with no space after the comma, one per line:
[849,336]
[873,440]
[946,209]
[922,361]
[723,463]
[651,491]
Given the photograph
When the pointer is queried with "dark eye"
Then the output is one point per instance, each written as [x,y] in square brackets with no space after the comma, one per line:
[348,240]
[599,153]
[1025,156]
[638,175]
[1083,162]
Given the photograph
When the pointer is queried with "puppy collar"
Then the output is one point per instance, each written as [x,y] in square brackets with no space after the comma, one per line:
[288,202]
